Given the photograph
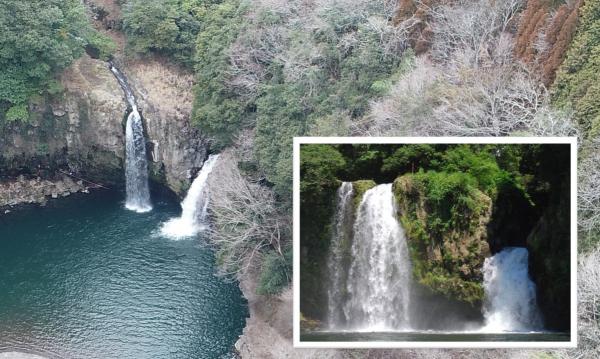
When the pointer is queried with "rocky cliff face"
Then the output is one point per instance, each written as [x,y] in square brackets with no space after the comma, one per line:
[81,132]
[549,258]
[164,94]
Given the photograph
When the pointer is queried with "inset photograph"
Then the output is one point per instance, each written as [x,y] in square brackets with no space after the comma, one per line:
[438,243]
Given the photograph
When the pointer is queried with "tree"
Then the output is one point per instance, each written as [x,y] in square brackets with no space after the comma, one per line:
[469,30]
[577,85]
[319,165]
[559,35]
[217,110]
[291,69]
[247,223]
[168,27]
[433,100]
[409,158]
[588,192]
[39,39]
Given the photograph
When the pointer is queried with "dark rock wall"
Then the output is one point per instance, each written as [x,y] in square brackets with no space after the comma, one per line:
[549,259]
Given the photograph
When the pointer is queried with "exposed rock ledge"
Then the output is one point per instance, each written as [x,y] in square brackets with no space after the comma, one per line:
[37,190]
[268,331]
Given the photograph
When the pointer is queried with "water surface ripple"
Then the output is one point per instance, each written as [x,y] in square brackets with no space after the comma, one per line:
[85,278]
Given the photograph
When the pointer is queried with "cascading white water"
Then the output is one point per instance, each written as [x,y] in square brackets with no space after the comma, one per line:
[136,165]
[379,277]
[510,293]
[194,206]
[341,238]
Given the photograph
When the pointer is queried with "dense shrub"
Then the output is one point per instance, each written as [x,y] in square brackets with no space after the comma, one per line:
[39,39]
[168,27]
[276,272]
[216,109]
[577,84]
[319,165]
[480,164]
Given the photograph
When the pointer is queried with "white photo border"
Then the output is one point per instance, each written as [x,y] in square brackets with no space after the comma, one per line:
[572,141]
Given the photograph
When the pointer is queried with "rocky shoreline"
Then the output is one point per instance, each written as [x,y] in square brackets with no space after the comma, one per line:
[269,328]
[22,190]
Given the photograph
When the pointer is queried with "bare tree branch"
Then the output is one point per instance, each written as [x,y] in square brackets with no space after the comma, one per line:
[245,218]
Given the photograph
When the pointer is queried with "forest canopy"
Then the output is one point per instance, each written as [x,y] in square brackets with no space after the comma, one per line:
[40,39]
[531,169]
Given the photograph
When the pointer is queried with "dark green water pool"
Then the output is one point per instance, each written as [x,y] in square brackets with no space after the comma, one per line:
[86,278]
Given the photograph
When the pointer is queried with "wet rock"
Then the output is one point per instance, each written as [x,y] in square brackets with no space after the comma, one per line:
[82,130]
[22,190]
[164,94]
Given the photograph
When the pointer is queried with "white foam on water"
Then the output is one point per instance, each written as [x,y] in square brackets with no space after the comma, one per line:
[510,304]
[194,207]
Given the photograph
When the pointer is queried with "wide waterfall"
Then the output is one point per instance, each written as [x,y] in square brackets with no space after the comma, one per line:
[375,294]
[194,206]
[136,165]
[510,293]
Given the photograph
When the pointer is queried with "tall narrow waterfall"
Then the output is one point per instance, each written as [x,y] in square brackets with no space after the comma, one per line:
[194,206]
[136,166]
[341,239]
[510,293]
[375,295]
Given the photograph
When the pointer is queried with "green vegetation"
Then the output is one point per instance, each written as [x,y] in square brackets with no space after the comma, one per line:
[318,167]
[167,27]
[577,84]
[360,187]
[276,272]
[480,165]
[216,108]
[444,216]
[407,158]
[198,34]
[40,39]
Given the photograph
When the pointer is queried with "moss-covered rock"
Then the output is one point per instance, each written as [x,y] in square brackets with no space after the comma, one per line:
[309,324]
[446,231]
[360,187]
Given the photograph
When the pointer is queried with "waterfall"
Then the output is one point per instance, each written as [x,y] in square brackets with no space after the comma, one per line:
[194,206]
[341,238]
[377,288]
[510,293]
[136,166]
